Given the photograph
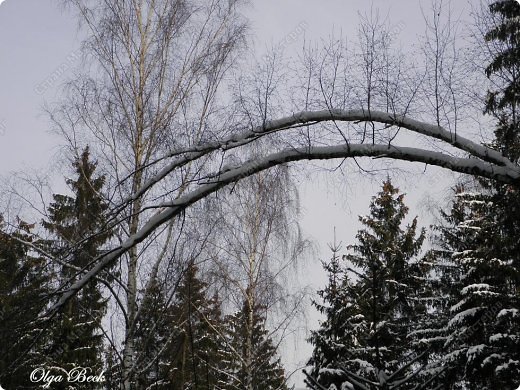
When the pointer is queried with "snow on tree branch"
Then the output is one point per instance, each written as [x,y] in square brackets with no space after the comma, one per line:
[305,118]
[505,172]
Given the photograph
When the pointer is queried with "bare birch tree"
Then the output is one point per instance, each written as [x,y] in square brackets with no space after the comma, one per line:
[257,245]
[156,71]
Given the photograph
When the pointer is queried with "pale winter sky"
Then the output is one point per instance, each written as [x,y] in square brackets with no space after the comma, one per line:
[39,51]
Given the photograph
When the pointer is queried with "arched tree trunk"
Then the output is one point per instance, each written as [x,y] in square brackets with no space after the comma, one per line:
[483,161]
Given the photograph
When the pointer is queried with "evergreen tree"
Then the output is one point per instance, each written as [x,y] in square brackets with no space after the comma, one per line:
[478,319]
[23,288]
[156,336]
[368,336]
[342,328]
[246,334]
[504,71]
[480,239]
[478,256]
[504,105]
[194,356]
[178,339]
[112,373]
[77,224]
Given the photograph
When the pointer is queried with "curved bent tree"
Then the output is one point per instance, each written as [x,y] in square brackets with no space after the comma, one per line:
[473,159]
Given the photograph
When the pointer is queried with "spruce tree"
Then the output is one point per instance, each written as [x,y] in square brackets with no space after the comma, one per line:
[381,306]
[477,320]
[478,248]
[504,70]
[343,325]
[246,333]
[480,237]
[503,104]
[157,339]
[385,256]
[197,332]
[23,291]
[77,224]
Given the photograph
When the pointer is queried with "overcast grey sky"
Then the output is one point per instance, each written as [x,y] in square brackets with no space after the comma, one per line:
[39,51]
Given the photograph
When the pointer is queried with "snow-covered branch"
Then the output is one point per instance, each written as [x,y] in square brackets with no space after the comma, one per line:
[307,118]
[505,173]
